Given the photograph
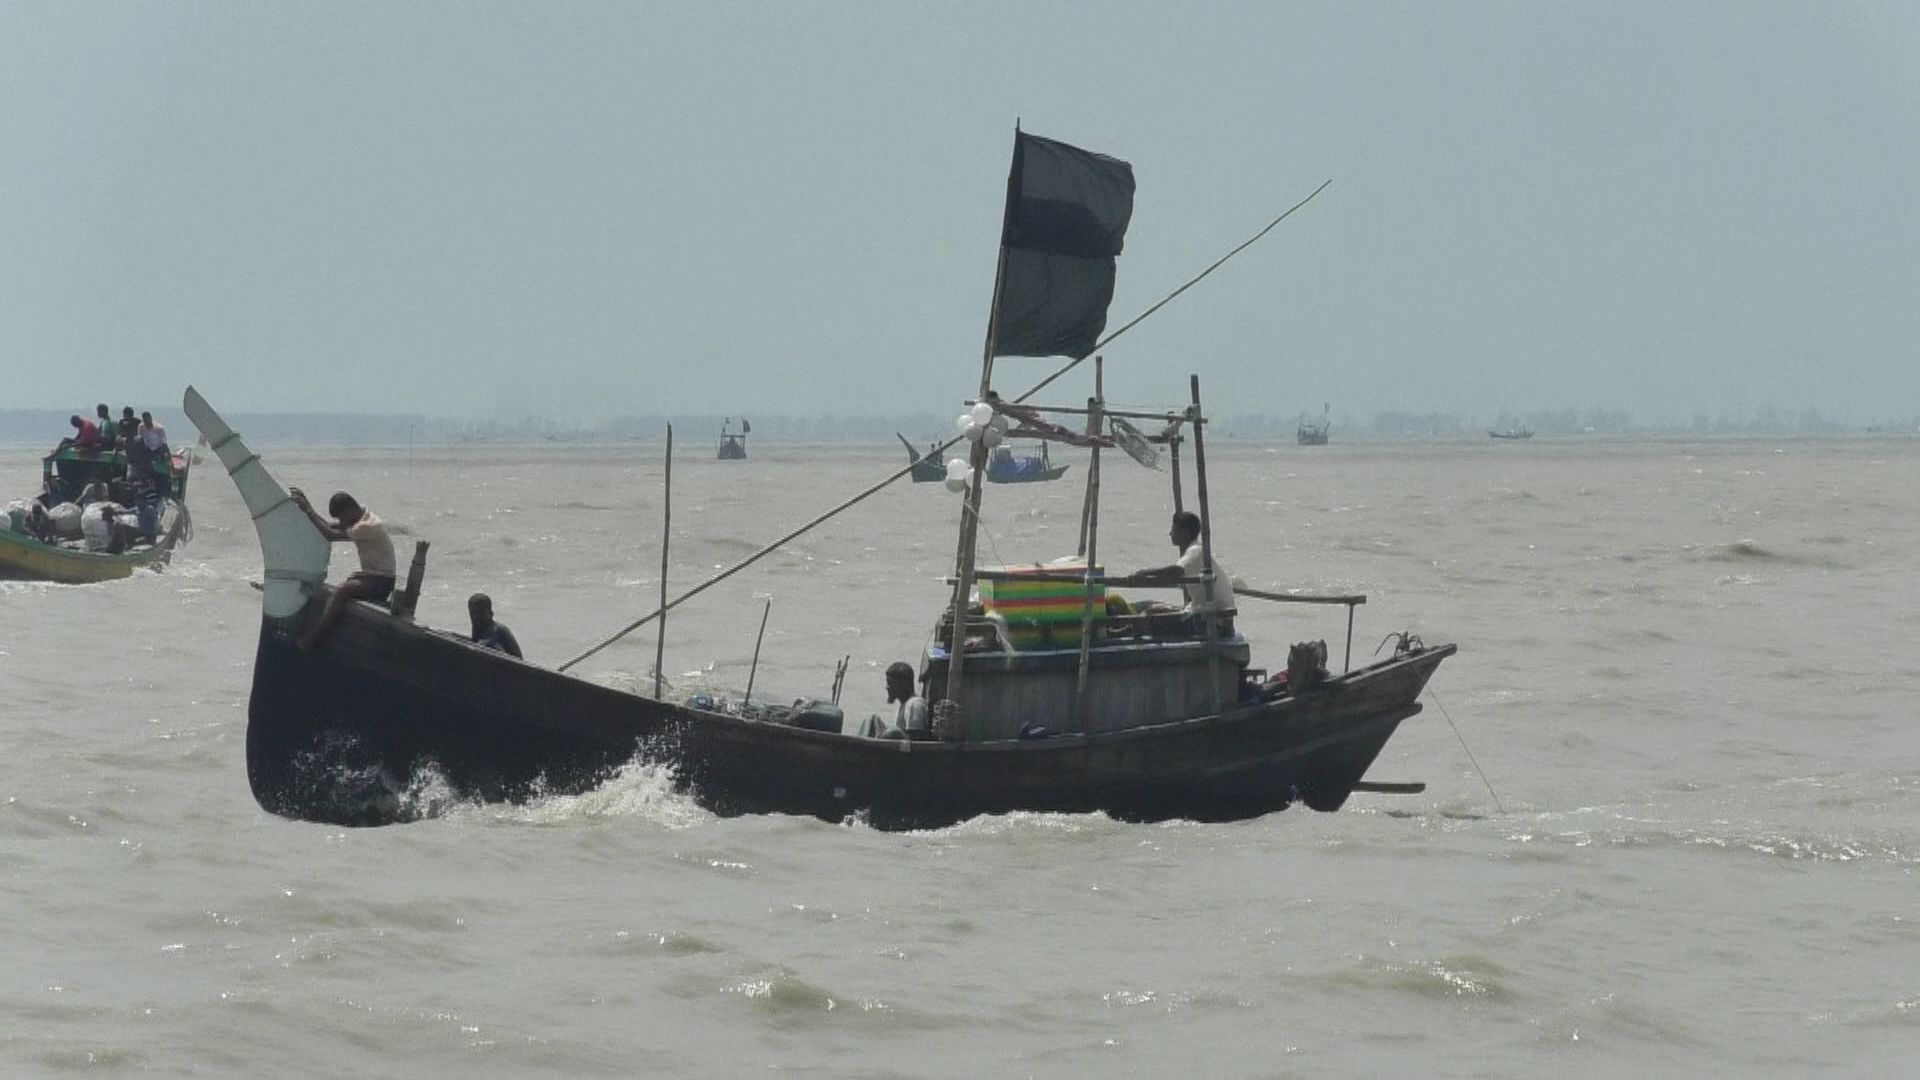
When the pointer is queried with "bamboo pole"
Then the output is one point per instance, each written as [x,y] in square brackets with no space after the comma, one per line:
[1195,280]
[1206,547]
[1173,447]
[754,669]
[1091,549]
[666,539]
[970,516]
[1093,470]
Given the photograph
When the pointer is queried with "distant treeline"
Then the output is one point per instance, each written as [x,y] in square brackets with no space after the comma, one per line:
[1400,425]
[49,426]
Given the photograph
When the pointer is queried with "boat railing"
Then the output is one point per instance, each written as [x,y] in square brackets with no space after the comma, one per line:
[1350,601]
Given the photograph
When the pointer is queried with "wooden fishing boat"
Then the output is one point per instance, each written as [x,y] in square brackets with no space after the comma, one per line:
[733,445]
[1313,432]
[1007,467]
[1521,432]
[1180,728]
[926,468]
[24,557]
[1004,467]
[1047,696]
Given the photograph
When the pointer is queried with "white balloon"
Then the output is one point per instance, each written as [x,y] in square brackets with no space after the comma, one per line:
[991,436]
[956,485]
[956,468]
[962,422]
[981,414]
[1000,422]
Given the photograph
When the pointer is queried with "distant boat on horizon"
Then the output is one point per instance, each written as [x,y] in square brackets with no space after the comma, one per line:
[926,467]
[733,447]
[1311,433]
[1521,432]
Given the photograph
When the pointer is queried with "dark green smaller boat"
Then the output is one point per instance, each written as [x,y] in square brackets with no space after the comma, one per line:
[68,472]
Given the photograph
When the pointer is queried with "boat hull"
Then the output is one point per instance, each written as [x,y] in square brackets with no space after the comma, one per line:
[1052,472]
[342,733]
[22,558]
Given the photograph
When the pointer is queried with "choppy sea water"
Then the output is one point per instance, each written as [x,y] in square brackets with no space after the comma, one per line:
[1687,673]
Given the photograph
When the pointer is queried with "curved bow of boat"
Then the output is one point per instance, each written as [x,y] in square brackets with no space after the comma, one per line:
[291,549]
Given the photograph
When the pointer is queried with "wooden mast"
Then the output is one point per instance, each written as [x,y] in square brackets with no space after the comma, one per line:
[1093,470]
[970,516]
[1211,619]
[1089,547]
[666,538]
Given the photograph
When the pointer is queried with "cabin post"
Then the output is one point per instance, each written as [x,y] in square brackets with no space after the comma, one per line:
[666,538]
[1173,447]
[1093,470]
[1212,620]
[1090,547]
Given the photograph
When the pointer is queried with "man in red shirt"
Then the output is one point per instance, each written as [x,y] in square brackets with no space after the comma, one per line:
[86,439]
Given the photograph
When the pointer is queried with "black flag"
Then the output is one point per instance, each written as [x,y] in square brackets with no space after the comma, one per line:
[1067,213]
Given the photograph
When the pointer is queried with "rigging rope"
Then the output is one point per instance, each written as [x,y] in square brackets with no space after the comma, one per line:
[862,496]
[1469,750]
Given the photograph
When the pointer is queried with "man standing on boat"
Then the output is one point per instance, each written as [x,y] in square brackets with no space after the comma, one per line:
[374,580]
[1185,535]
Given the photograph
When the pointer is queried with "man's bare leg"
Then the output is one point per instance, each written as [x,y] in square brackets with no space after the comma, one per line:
[348,591]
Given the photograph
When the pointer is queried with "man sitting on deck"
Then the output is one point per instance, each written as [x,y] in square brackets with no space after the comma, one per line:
[374,580]
[86,436]
[486,633]
[1185,535]
[911,721]
[109,434]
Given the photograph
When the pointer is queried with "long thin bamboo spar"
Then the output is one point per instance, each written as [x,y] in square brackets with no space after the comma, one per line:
[666,538]
[755,668]
[1286,598]
[1138,319]
[862,496]
[737,567]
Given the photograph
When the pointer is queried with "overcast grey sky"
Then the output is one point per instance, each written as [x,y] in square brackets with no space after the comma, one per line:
[605,209]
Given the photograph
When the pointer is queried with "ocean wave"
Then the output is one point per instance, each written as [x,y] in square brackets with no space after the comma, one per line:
[1738,551]
[1772,844]
[1450,979]
[637,790]
[1030,822]
[783,990]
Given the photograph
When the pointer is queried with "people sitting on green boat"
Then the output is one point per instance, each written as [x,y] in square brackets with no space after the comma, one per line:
[374,580]
[108,527]
[86,436]
[38,524]
[147,506]
[128,428]
[153,437]
[109,434]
